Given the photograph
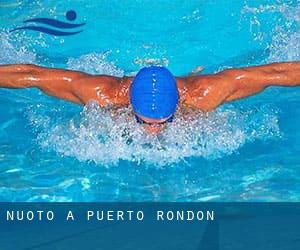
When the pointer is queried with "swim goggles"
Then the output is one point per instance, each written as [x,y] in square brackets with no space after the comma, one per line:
[141,121]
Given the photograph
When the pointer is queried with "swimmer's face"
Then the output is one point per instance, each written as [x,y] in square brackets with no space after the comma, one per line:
[153,126]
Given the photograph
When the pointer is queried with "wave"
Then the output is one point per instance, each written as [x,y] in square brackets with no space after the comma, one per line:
[47,30]
[54,23]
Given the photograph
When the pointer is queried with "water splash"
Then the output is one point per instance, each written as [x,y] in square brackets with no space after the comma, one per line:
[12,51]
[285,36]
[264,8]
[106,136]
[195,16]
[95,63]
[285,45]
[143,62]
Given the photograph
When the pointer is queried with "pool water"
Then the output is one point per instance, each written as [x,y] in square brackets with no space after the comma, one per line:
[248,150]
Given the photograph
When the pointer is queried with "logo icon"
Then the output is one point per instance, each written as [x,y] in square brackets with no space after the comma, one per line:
[57,28]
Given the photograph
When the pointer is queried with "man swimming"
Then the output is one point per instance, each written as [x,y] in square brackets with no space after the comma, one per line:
[153,93]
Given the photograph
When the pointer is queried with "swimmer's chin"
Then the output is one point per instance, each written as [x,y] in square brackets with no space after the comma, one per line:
[153,129]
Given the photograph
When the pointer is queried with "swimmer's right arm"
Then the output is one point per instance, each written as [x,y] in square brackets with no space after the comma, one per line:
[54,82]
[74,86]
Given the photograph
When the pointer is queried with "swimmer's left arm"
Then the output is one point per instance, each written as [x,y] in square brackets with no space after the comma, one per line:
[252,80]
[207,92]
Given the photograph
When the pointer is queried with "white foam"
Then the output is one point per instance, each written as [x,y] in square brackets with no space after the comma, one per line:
[285,44]
[106,136]
[12,51]
[95,63]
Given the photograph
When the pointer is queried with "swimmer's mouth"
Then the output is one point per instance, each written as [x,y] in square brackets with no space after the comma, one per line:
[141,121]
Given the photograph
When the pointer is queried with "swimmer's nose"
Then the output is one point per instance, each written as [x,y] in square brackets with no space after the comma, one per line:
[153,129]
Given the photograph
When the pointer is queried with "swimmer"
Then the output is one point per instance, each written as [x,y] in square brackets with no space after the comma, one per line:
[154,93]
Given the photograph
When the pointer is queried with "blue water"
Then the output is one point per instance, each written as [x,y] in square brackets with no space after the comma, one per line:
[248,150]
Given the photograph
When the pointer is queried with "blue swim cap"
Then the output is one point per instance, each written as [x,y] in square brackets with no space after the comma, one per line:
[154,93]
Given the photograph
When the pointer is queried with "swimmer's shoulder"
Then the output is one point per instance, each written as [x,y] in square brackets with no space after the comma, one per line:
[205,92]
[104,89]
[191,85]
